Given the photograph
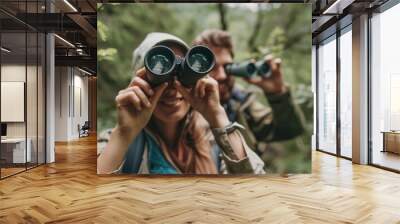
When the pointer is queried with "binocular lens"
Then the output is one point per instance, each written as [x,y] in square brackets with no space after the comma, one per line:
[159,64]
[200,59]
[159,60]
[251,68]
[162,65]
[199,63]
[263,69]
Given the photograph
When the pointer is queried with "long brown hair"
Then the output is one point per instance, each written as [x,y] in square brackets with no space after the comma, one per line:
[194,142]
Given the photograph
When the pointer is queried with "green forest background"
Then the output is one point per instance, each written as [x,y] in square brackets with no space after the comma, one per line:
[257,29]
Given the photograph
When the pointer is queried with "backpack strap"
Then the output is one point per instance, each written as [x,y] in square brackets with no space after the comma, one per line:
[134,155]
[215,155]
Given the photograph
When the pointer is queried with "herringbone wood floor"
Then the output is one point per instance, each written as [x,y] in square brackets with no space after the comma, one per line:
[69,191]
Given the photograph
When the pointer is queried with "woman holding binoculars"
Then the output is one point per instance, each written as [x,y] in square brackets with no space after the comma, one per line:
[174,126]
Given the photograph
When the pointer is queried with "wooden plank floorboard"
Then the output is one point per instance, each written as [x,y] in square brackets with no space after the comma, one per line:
[69,191]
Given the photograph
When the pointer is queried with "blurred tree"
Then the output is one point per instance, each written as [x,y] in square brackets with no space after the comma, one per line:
[121,28]
[256,29]
[102,33]
[222,12]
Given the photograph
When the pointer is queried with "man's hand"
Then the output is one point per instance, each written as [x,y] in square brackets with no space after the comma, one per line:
[204,98]
[136,103]
[273,84]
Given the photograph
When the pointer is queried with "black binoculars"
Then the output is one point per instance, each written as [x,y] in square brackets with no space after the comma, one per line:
[162,65]
[248,69]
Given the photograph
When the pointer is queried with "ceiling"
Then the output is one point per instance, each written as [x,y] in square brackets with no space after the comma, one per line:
[328,15]
[74,22]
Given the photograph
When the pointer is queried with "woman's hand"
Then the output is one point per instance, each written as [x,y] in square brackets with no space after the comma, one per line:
[136,103]
[135,106]
[204,98]
[273,84]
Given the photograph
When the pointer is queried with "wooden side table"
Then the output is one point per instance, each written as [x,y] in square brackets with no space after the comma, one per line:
[391,141]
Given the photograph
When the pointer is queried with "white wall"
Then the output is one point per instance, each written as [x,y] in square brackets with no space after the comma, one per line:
[61,103]
[12,100]
[13,73]
[71,94]
[80,96]
[16,73]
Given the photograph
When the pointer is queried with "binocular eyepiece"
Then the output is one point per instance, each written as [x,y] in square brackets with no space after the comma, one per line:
[162,65]
[248,69]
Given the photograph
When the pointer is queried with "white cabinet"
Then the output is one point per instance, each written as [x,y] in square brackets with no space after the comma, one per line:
[17,146]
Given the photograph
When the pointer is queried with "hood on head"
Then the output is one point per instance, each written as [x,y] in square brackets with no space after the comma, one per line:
[151,40]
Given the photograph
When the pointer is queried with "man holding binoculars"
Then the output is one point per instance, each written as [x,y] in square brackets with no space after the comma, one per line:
[170,120]
[281,121]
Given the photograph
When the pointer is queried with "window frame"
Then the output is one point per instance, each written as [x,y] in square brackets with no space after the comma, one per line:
[342,26]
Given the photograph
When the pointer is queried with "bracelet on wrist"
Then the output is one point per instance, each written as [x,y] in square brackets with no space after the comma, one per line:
[227,129]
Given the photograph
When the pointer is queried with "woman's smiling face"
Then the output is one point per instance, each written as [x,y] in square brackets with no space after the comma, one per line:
[171,107]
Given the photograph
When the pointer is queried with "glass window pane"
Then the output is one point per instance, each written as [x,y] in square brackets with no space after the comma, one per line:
[346,94]
[31,97]
[385,84]
[41,98]
[32,87]
[13,85]
[314,74]
[327,96]
[23,85]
